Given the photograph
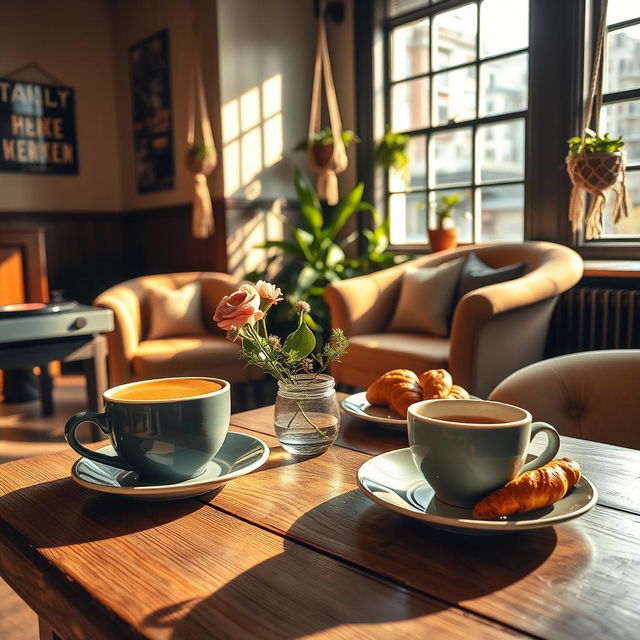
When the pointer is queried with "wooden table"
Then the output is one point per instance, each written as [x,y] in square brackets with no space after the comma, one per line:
[296,550]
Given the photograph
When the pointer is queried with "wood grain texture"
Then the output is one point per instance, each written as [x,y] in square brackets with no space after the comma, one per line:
[186,570]
[553,582]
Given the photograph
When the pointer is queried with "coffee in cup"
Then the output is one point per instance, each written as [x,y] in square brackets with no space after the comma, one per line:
[166,430]
[468,448]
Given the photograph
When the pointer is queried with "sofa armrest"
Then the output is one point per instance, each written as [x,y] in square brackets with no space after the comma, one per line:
[124,300]
[482,323]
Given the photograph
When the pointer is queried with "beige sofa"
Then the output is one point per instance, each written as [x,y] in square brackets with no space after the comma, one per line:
[134,357]
[591,395]
[496,329]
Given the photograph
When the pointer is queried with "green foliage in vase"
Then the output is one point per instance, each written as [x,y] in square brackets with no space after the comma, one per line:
[445,209]
[594,143]
[325,136]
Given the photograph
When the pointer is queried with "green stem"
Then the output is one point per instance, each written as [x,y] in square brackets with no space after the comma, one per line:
[306,417]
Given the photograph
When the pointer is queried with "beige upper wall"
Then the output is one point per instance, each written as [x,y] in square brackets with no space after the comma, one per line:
[72,40]
[267,52]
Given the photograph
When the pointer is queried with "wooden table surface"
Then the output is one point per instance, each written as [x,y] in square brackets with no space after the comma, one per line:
[295,549]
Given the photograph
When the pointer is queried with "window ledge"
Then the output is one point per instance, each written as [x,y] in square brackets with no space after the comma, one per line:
[612,268]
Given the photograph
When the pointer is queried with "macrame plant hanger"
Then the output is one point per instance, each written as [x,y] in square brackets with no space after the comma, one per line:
[596,173]
[331,159]
[202,158]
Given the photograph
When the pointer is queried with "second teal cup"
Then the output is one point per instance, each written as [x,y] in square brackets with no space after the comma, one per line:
[468,448]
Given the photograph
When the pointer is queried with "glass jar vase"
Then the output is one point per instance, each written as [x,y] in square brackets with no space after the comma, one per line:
[307,415]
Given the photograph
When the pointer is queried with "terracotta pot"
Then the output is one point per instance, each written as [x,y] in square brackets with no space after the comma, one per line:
[441,239]
[322,153]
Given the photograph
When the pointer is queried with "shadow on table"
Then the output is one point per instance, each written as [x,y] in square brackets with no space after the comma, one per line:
[301,592]
[101,516]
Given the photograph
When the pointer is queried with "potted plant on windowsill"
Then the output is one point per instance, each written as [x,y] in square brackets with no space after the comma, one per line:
[445,235]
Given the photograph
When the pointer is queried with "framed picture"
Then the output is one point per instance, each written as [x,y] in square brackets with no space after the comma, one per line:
[37,128]
[152,123]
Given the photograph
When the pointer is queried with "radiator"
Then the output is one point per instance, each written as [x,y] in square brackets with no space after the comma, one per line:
[587,319]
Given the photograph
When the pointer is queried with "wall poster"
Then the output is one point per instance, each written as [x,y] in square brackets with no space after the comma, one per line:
[152,129]
[37,128]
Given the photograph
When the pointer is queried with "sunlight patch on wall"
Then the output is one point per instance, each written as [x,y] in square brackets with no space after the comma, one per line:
[252,137]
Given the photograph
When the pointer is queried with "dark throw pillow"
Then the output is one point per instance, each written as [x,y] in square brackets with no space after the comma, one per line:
[476,274]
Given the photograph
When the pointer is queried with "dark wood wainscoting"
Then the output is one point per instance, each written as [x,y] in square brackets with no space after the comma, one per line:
[87,252]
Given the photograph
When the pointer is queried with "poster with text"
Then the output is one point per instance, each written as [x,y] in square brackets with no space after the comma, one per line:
[152,129]
[37,128]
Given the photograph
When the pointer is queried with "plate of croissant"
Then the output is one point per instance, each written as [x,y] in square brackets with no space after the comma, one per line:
[543,497]
[388,398]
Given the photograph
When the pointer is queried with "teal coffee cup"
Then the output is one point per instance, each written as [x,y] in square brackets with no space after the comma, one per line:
[166,430]
[466,449]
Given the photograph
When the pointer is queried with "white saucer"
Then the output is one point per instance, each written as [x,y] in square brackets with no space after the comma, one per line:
[356,405]
[240,454]
[393,481]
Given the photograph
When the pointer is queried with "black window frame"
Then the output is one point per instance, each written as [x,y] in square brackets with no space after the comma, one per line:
[560,42]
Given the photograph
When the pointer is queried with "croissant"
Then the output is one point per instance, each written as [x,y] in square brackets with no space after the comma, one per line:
[436,383]
[458,392]
[398,389]
[531,490]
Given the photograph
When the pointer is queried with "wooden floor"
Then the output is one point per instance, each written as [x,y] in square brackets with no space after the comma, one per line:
[24,432]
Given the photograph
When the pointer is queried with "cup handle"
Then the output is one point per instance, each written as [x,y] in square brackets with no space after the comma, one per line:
[99,420]
[551,449]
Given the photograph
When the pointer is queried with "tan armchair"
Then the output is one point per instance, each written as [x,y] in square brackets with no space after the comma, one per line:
[591,395]
[133,357]
[496,329]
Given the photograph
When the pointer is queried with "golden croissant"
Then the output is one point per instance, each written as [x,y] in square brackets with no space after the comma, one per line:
[398,389]
[437,383]
[531,490]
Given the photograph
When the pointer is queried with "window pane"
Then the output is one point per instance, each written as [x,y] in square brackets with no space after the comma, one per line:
[410,104]
[621,10]
[450,158]
[462,211]
[500,151]
[502,213]
[454,95]
[410,50]
[503,85]
[504,26]
[623,119]
[396,7]
[454,37]
[630,225]
[408,218]
[623,59]
[417,169]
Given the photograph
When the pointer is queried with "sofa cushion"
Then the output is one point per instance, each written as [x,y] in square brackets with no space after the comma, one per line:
[475,274]
[426,299]
[377,353]
[175,312]
[190,356]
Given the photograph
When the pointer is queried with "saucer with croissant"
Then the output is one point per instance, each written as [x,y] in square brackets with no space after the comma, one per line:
[388,398]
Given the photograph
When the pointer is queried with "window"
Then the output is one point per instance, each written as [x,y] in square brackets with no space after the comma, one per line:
[457,84]
[620,113]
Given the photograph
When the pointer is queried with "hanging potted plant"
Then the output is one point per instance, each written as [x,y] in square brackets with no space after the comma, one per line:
[595,165]
[445,234]
[391,154]
[322,144]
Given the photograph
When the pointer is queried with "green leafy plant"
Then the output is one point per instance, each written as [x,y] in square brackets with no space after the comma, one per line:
[444,210]
[391,153]
[325,137]
[315,253]
[594,143]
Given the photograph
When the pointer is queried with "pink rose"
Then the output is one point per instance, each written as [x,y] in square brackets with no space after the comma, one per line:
[269,293]
[238,309]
